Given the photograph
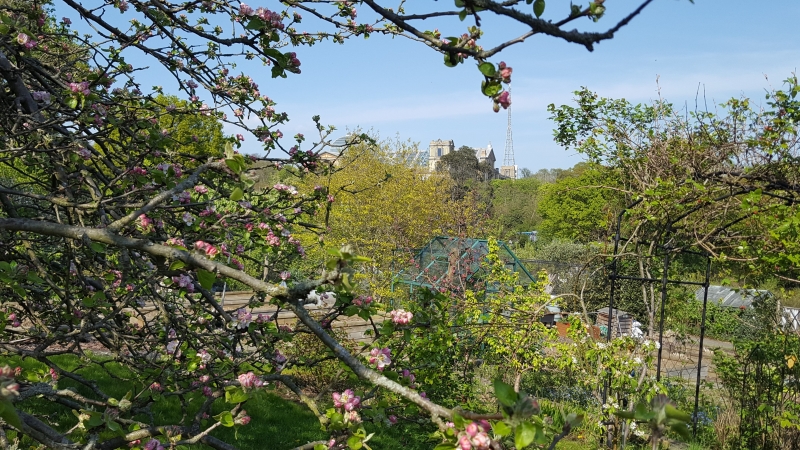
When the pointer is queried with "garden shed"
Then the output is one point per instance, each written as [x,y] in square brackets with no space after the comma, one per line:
[621,321]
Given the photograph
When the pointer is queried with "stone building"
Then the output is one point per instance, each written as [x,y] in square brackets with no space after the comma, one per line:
[436,150]
[439,148]
[508,172]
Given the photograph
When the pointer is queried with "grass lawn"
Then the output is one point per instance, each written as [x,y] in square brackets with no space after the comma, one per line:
[277,423]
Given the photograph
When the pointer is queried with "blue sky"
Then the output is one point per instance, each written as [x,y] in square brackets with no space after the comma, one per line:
[397,87]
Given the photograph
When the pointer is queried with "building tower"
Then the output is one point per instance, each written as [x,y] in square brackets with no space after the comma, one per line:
[509,167]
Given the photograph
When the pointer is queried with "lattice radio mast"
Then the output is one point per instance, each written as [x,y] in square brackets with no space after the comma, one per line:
[508,157]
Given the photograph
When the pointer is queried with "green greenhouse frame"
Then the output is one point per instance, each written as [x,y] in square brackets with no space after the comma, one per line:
[445,259]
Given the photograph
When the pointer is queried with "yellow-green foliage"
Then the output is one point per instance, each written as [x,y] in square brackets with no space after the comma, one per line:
[509,319]
[384,206]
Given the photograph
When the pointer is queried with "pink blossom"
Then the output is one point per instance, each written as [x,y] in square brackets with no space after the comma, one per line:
[172,348]
[123,5]
[26,41]
[66,21]
[53,374]
[144,221]
[249,380]
[239,137]
[505,74]
[207,391]
[183,197]
[348,396]
[184,281]
[481,441]
[380,358]
[209,249]
[41,96]
[205,357]
[156,387]
[242,319]
[401,316]
[244,420]
[177,242]
[245,10]
[200,189]
[80,88]
[285,275]
[272,239]
[153,444]
[362,300]
[138,171]
[504,99]
[393,419]
[85,153]
[282,187]
[464,443]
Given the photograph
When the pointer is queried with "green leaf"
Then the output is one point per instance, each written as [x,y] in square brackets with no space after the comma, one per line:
[320,447]
[445,446]
[505,393]
[206,278]
[9,414]
[235,394]
[237,194]
[525,434]
[682,430]
[538,8]
[491,88]
[501,429]
[487,69]
[113,426]
[97,247]
[674,413]
[73,103]
[625,414]
[233,165]
[255,24]
[33,278]
[225,418]
[354,442]
[95,419]
[462,15]
[177,265]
